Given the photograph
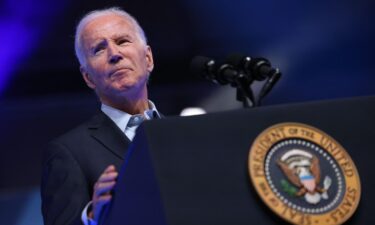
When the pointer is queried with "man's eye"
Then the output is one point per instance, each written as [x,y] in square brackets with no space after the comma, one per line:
[122,41]
[98,50]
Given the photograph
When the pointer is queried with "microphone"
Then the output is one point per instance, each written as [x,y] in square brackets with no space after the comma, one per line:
[223,73]
[203,66]
[256,68]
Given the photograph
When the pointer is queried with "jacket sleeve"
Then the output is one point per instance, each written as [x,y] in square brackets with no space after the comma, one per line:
[64,189]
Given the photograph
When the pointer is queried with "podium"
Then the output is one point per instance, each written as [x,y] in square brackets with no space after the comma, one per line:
[194,170]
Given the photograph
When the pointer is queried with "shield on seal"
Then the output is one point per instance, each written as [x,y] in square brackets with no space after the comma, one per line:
[308,182]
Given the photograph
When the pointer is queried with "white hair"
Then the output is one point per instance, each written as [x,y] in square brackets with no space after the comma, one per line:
[98,13]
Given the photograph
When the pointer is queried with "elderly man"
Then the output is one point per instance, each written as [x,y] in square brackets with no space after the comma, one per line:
[80,167]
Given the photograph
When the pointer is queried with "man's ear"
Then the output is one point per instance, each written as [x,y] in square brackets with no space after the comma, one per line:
[149,59]
[86,76]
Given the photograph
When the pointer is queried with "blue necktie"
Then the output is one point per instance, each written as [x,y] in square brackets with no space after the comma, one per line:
[135,120]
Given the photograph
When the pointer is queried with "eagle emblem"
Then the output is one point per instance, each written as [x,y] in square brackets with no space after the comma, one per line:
[302,170]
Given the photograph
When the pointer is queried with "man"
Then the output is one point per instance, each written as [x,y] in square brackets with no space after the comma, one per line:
[80,167]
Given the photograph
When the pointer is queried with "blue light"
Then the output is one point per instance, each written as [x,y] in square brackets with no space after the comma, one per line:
[21,25]
[15,41]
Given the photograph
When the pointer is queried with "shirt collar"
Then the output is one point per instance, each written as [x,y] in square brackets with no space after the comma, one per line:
[121,118]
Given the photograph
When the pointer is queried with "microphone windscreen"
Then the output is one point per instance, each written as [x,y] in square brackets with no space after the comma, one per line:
[199,66]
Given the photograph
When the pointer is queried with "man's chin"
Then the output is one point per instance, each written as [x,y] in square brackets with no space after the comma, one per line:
[130,90]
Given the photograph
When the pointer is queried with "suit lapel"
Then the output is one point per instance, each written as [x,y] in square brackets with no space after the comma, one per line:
[105,131]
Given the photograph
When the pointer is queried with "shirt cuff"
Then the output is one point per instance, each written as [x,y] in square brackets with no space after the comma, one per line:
[85,219]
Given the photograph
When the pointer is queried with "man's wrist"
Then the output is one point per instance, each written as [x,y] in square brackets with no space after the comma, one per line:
[90,214]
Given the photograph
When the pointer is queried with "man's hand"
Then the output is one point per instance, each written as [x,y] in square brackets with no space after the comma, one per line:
[102,191]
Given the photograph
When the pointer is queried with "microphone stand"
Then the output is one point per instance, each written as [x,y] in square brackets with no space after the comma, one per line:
[244,92]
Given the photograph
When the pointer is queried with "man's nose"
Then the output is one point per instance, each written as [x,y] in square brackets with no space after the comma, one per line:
[114,55]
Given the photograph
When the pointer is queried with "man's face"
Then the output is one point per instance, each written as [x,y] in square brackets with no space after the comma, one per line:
[118,63]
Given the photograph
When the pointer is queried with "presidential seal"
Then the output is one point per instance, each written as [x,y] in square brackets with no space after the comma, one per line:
[304,175]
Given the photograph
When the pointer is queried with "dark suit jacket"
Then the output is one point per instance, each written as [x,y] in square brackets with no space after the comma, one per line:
[72,164]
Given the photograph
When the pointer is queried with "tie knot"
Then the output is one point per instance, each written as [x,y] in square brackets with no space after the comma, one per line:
[135,120]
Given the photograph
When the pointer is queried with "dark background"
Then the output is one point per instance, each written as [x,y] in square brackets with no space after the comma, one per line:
[325,50]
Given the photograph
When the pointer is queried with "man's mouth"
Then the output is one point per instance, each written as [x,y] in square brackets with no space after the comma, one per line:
[119,71]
